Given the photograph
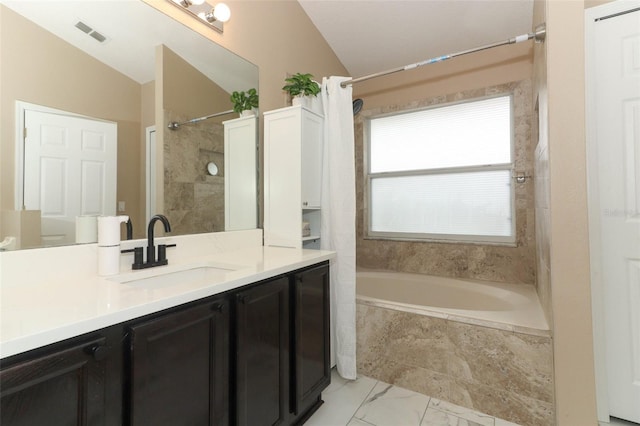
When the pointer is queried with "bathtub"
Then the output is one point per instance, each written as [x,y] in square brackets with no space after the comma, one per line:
[481,345]
[512,307]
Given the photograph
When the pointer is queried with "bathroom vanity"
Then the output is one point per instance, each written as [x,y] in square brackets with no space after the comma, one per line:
[243,339]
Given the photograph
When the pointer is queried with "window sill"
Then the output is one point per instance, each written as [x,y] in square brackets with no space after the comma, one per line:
[442,241]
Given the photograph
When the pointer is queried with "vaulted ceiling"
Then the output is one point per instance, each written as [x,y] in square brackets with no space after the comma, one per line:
[369,36]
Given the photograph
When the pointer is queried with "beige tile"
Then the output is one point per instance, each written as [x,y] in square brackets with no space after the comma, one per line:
[405,338]
[502,404]
[511,361]
[178,196]
[419,341]
[194,200]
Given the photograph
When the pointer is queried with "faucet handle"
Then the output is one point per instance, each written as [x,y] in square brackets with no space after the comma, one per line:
[138,258]
[162,253]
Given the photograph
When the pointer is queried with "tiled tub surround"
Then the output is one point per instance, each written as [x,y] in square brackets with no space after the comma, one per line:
[496,368]
[459,260]
[193,199]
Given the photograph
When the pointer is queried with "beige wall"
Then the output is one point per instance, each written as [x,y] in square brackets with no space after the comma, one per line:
[474,71]
[148,119]
[187,91]
[568,237]
[277,36]
[27,53]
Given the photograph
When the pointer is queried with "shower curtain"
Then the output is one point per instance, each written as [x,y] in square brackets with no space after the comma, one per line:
[339,219]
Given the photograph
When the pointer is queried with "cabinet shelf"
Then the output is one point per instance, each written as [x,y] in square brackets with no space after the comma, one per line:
[311,238]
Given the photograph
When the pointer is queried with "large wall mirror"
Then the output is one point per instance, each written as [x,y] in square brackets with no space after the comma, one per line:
[100,81]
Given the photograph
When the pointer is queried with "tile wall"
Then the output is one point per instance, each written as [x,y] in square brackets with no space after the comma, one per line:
[504,374]
[475,261]
[193,199]
[540,137]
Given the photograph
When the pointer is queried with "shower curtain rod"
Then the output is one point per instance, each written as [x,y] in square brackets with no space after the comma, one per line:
[175,125]
[538,35]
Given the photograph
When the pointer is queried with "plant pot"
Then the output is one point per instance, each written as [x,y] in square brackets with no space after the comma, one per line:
[313,103]
[247,113]
[304,101]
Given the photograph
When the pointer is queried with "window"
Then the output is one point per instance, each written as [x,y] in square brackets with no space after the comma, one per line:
[443,173]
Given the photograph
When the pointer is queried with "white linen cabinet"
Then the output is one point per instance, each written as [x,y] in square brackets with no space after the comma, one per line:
[240,173]
[293,146]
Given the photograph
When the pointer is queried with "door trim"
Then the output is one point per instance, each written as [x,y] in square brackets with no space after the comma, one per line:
[593,200]
[150,173]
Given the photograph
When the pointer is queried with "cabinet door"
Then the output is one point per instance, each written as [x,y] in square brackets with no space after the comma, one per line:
[179,367]
[312,371]
[240,174]
[65,387]
[282,178]
[262,358]
[312,151]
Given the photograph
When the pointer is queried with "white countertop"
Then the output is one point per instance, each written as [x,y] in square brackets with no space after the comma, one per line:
[39,312]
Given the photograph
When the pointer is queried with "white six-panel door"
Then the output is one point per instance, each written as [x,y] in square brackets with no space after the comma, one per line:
[69,170]
[615,191]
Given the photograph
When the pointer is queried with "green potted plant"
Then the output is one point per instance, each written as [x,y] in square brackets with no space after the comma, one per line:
[245,101]
[304,91]
[301,85]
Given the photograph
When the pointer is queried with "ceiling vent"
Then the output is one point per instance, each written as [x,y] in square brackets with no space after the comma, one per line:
[90,32]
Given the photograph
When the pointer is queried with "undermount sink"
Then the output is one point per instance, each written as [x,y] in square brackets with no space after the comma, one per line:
[196,274]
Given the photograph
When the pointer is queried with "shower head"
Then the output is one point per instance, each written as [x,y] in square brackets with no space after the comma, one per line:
[357,105]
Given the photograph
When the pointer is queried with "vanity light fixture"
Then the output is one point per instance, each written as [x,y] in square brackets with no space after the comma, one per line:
[213,16]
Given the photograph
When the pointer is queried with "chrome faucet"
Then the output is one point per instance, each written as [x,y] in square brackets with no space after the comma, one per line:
[138,262]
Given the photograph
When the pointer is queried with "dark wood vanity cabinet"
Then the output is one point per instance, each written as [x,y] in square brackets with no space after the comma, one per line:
[178,367]
[75,382]
[262,354]
[257,355]
[311,369]
[282,348]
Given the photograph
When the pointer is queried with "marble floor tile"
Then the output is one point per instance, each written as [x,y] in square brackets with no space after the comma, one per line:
[388,405]
[465,413]
[435,417]
[341,400]
[369,402]
[357,422]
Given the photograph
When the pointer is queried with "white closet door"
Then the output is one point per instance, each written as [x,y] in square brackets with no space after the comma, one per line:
[70,170]
[617,67]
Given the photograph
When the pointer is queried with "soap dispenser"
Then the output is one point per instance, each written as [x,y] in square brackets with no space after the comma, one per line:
[109,244]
